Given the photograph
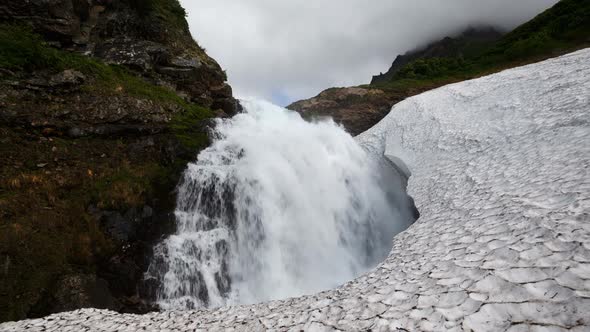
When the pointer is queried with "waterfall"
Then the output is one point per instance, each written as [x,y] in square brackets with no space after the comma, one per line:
[277,207]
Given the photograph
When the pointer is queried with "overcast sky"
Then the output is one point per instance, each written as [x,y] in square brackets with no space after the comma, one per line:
[286,50]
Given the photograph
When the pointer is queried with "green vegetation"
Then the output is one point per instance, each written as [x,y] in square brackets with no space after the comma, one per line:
[22,50]
[431,68]
[124,189]
[188,128]
[168,11]
[563,28]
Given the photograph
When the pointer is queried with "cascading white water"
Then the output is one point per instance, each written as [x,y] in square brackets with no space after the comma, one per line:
[277,207]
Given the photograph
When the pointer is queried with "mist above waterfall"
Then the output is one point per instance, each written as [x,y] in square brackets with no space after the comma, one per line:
[277,207]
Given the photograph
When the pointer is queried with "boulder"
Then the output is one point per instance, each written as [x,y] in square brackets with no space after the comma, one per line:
[67,78]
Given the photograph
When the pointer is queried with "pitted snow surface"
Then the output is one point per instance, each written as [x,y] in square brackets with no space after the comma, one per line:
[501,175]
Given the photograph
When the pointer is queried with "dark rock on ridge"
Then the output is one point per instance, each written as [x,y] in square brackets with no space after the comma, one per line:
[468,41]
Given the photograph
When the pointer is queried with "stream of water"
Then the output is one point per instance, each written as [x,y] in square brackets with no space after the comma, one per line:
[277,207]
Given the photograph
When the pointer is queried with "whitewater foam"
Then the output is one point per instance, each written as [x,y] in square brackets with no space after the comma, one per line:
[277,207]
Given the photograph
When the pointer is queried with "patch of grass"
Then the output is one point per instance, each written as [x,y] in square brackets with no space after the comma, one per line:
[168,11]
[188,127]
[117,80]
[126,188]
[562,27]
[25,248]
[406,87]
[23,50]
[431,68]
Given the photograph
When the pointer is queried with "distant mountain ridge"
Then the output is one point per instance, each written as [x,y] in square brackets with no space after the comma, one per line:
[559,30]
[470,41]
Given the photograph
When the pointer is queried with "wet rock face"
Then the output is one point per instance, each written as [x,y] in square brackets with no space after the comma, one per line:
[119,33]
[137,230]
[82,291]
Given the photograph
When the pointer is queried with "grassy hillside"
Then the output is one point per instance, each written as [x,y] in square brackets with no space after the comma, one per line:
[563,28]
[471,42]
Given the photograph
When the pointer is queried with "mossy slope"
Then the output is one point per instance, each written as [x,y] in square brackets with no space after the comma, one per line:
[52,184]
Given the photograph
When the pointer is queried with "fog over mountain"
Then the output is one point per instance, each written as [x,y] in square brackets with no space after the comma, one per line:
[292,49]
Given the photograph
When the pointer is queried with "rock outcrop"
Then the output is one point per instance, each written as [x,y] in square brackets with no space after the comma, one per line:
[355,108]
[102,105]
[151,37]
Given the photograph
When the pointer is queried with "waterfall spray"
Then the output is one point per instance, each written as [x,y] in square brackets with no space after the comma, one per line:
[277,207]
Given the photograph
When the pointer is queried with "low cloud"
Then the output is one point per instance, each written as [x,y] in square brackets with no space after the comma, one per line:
[285,50]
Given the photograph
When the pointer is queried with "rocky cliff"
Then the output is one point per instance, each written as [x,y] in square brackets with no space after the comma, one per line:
[102,103]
